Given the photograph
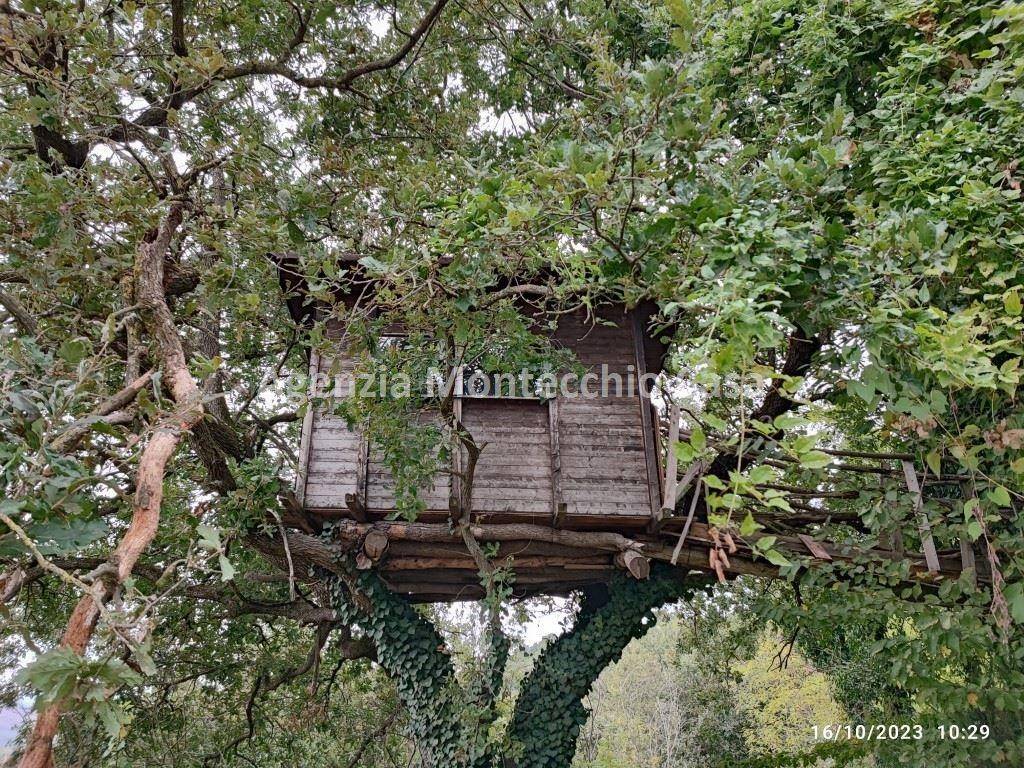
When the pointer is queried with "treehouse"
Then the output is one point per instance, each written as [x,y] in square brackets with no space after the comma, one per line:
[585,460]
[562,487]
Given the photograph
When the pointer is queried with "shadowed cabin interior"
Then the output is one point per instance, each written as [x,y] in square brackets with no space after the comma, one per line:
[569,463]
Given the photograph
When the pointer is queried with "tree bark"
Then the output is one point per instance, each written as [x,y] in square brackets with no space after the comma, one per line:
[149,267]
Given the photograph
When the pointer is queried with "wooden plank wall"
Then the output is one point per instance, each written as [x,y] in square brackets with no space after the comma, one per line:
[331,467]
[380,496]
[338,462]
[601,440]
[514,470]
[597,464]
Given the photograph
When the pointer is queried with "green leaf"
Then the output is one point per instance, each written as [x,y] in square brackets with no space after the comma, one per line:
[749,526]
[999,496]
[778,502]
[74,351]
[789,421]
[375,265]
[295,233]
[776,558]
[714,422]
[974,529]
[145,661]
[209,537]
[1014,596]
[711,481]
[111,717]
[57,537]
[1012,303]
[815,460]
[227,570]
[681,14]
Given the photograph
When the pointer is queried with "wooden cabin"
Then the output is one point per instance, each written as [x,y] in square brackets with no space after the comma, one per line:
[564,462]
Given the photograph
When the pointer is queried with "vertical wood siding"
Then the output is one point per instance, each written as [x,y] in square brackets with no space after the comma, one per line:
[331,465]
[600,442]
[380,495]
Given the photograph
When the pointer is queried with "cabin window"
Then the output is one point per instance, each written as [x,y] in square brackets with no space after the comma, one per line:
[519,385]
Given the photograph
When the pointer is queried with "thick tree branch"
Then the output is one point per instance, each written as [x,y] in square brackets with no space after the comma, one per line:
[21,316]
[178,28]
[149,270]
[343,81]
[73,434]
[549,712]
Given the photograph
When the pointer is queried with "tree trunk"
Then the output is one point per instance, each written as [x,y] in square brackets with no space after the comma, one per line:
[149,482]
[549,713]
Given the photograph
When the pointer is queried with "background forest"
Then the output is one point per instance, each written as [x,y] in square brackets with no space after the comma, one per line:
[822,198]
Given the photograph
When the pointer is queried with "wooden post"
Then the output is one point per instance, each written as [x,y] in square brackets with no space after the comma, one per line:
[692,471]
[356,507]
[931,557]
[359,502]
[668,501]
[689,515]
[967,556]
[558,510]
[455,485]
[646,415]
[307,431]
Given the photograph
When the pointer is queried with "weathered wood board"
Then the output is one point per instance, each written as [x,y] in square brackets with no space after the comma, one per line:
[574,461]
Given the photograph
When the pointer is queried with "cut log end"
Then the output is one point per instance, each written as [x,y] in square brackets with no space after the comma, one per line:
[375,545]
[638,566]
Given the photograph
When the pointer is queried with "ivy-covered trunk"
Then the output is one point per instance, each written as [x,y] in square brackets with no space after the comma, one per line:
[549,712]
[451,725]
